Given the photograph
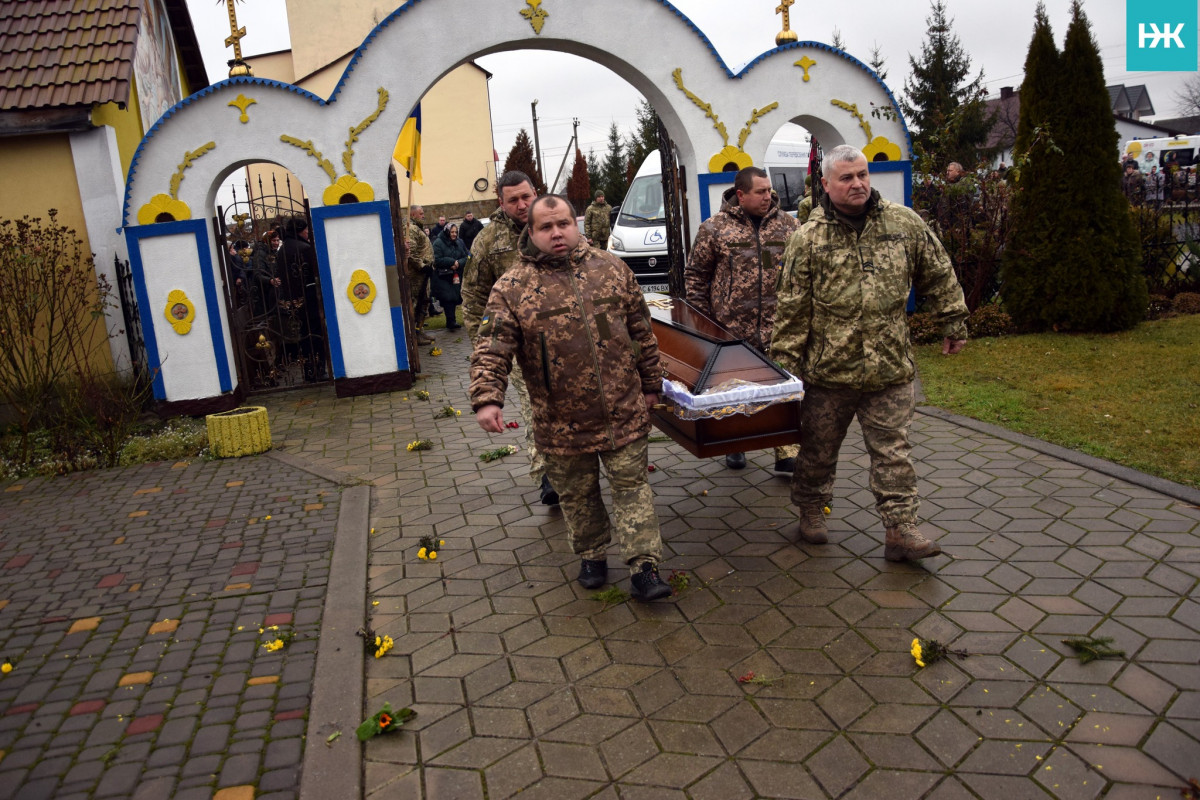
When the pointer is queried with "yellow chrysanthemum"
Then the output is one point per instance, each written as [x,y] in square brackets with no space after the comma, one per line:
[441,542]
[422,554]
[348,189]
[432,555]
[6,667]
[163,208]
[730,159]
[917,652]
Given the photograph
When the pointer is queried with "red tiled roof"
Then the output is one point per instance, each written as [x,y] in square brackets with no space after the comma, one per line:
[64,53]
[61,53]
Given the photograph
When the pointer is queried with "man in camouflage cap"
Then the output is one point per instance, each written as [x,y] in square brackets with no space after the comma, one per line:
[842,326]
[419,266]
[493,253]
[575,320]
[730,275]
[595,222]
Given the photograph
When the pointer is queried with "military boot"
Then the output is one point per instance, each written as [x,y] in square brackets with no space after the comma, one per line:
[812,523]
[905,543]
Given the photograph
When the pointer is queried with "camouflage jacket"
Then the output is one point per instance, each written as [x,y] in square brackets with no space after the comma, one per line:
[580,331]
[493,253]
[420,250]
[595,221]
[730,275]
[842,319]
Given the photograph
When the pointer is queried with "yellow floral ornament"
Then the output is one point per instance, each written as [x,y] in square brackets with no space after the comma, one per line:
[163,208]
[348,189]
[880,149]
[730,159]
[179,311]
[361,291]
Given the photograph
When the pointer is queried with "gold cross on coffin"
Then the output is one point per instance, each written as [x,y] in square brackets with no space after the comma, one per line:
[787,34]
[235,33]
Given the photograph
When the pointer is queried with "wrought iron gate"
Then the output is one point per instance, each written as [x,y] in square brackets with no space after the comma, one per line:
[679,229]
[133,322]
[276,318]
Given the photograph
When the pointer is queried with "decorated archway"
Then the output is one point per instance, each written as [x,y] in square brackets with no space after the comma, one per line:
[342,147]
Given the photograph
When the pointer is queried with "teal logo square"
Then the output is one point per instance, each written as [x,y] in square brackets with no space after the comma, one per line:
[1161,36]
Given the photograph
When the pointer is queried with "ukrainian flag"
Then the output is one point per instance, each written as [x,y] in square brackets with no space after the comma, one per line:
[408,146]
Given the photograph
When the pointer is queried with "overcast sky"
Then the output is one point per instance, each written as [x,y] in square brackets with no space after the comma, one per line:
[995,35]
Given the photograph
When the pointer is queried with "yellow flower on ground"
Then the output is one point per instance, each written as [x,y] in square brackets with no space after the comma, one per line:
[6,667]
[436,351]
[432,556]
[917,652]
[273,646]
[422,554]
[441,542]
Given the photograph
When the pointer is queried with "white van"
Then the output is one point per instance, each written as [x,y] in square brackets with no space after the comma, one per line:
[639,236]
[1178,151]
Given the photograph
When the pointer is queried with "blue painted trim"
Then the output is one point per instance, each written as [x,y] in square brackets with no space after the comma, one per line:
[707,179]
[192,98]
[333,329]
[904,167]
[381,209]
[197,228]
[401,337]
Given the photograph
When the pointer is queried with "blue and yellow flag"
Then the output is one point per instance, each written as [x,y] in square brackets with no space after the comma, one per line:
[408,146]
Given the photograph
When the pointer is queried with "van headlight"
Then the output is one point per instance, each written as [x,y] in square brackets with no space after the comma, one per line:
[616,243]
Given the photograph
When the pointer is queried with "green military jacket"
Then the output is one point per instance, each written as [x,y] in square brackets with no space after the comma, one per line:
[595,221]
[841,320]
[493,252]
[580,330]
[420,249]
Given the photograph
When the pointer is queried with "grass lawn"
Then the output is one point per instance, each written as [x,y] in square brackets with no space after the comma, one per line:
[1132,397]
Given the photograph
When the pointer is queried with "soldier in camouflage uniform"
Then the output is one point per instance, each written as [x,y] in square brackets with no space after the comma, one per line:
[595,222]
[731,273]
[493,253]
[418,267]
[575,320]
[842,326]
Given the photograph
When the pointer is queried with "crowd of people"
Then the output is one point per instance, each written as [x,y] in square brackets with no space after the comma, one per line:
[1175,183]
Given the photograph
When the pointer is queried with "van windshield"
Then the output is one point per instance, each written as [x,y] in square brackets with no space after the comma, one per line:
[643,204]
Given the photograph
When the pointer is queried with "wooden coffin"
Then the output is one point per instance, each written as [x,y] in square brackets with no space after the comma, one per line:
[700,354]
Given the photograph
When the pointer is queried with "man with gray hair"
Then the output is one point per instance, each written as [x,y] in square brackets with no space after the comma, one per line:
[841,325]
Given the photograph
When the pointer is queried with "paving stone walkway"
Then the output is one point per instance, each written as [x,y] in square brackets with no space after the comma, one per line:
[782,670]
[131,601]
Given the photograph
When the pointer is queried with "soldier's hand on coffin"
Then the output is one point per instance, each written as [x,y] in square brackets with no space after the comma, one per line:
[490,418]
[651,400]
[952,346]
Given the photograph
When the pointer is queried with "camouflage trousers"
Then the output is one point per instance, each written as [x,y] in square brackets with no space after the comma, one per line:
[589,529]
[885,415]
[418,291]
[537,462]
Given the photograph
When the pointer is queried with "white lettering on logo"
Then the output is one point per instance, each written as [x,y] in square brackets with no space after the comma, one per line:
[1154,35]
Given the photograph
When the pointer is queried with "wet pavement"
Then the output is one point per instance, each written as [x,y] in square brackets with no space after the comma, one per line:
[779,670]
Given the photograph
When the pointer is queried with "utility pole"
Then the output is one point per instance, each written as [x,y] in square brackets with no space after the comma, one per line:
[569,154]
[537,148]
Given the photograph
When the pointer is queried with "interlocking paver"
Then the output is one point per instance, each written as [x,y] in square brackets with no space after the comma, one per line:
[524,685]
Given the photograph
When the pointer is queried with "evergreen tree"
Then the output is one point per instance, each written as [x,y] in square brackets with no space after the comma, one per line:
[520,157]
[579,188]
[838,41]
[1100,286]
[644,140]
[948,110]
[1038,188]
[877,62]
[595,176]
[612,170]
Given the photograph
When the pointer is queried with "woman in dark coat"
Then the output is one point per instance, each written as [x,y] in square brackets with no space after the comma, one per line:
[449,258]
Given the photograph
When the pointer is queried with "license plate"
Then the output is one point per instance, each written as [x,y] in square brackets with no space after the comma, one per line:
[661,288]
